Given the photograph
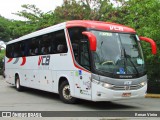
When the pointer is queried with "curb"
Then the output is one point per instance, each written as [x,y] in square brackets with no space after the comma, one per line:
[152,96]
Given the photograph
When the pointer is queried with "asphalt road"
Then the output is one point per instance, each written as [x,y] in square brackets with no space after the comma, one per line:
[36,100]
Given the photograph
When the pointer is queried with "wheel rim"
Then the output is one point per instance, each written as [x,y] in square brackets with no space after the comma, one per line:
[66,92]
[17,83]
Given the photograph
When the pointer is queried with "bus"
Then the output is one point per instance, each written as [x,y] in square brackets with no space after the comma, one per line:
[80,59]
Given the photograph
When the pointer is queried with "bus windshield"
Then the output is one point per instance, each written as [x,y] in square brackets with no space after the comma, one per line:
[118,53]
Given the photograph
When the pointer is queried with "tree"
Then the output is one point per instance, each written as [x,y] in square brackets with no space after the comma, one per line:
[4,29]
[20,28]
[30,12]
[83,9]
[70,10]
[35,20]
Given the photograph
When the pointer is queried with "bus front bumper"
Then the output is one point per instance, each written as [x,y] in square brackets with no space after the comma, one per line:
[100,93]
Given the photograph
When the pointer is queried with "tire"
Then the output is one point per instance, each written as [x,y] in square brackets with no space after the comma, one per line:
[64,93]
[17,84]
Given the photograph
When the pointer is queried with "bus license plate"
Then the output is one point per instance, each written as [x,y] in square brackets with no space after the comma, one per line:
[126,94]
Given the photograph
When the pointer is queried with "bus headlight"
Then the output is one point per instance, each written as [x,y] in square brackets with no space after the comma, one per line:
[143,84]
[106,85]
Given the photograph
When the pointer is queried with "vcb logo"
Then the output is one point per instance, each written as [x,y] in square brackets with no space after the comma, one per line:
[116,28]
[127,82]
[44,60]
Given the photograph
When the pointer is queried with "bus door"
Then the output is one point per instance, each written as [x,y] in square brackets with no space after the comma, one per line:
[84,76]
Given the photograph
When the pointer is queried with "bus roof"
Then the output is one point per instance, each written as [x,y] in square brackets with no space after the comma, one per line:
[99,25]
[108,26]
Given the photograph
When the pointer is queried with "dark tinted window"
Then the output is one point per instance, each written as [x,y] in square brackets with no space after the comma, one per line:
[9,51]
[60,42]
[33,47]
[45,44]
[51,43]
[80,46]
[15,49]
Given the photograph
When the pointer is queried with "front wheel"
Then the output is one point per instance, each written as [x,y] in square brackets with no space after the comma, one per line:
[65,93]
[17,84]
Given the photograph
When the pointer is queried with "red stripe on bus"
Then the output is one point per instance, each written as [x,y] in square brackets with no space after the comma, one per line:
[23,61]
[10,59]
[40,59]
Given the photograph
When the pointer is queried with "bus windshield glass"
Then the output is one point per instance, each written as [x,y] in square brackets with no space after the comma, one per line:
[118,53]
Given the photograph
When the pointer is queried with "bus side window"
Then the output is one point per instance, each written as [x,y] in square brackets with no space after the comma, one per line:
[49,49]
[53,48]
[10,51]
[36,51]
[23,47]
[75,49]
[60,42]
[61,48]
[17,49]
[34,46]
[45,44]
[80,46]
[44,50]
[31,52]
[84,54]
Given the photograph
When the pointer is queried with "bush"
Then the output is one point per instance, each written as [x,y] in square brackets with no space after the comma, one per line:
[2,54]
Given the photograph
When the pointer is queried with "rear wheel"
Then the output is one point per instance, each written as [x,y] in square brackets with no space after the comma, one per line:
[17,84]
[65,93]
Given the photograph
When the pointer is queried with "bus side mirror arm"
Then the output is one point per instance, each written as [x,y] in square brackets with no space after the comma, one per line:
[92,40]
[152,43]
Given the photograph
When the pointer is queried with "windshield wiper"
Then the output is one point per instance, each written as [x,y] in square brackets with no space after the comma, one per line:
[102,52]
[125,55]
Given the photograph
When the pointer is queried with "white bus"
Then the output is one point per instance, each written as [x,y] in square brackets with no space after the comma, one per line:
[91,60]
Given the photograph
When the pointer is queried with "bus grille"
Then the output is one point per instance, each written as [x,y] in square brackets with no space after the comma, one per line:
[132,87]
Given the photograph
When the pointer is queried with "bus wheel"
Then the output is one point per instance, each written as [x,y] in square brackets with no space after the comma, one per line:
[65,93]
[17,83]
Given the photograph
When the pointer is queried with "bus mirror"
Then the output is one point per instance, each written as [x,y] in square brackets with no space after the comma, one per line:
[92,40]
[152,43]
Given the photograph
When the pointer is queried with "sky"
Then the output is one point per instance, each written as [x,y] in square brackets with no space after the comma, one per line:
[7,7]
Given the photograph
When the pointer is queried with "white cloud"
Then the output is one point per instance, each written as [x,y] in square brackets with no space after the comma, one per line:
[7,7]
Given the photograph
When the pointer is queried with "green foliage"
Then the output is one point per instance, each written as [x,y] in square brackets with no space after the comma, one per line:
[19,28]
[30,12]
[83,10]
[2,54]
[4,29]
[70,10]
